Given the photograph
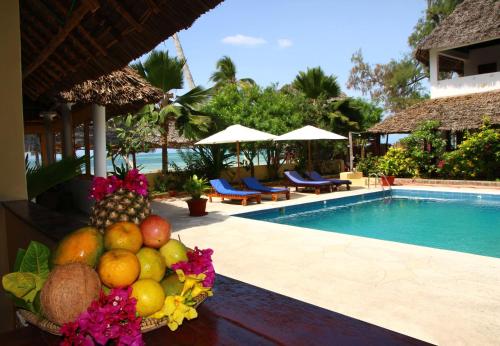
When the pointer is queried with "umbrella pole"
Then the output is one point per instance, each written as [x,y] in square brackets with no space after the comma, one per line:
[238,161]
[309,160]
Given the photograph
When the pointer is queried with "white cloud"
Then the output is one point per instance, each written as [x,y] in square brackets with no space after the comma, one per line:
[284,43]
[243,40]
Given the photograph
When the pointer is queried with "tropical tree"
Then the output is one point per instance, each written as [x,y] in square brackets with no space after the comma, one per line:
[166,73]
[398,83]
[226,74]
[314,83]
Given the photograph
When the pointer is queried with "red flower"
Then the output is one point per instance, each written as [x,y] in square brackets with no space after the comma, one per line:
[199,262]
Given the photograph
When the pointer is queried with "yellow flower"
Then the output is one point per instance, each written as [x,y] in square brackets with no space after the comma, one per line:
[175,309]
[193,284]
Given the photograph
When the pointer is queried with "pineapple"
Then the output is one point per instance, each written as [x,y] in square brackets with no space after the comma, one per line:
[122,205]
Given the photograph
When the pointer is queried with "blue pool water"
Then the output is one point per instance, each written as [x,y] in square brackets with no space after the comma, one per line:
[453,221]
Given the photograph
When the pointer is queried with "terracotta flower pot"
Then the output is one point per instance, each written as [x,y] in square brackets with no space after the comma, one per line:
[387,180]
[197,206]
[172,193]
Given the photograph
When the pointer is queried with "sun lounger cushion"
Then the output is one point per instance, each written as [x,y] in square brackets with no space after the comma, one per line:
[295,178]
[223,187]
[254,184]
[317,177]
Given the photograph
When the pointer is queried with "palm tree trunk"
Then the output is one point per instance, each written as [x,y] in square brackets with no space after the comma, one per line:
[180,55]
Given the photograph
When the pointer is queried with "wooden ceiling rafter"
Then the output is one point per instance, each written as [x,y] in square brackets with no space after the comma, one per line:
[126,14]
[72,23]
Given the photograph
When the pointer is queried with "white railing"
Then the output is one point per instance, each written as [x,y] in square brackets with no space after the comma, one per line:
[466,85]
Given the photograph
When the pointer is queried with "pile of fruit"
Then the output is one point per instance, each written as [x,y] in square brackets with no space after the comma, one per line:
[99,287]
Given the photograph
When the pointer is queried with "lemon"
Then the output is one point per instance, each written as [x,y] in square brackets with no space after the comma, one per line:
[152,264]
[149,295]
[172,285]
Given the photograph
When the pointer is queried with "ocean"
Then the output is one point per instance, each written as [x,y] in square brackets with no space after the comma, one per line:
[148,162]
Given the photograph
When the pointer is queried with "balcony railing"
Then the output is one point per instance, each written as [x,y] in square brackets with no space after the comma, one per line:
[466,85]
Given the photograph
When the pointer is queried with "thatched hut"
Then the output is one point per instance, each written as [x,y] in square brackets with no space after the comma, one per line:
[466,44]
[121,92]
[454,114]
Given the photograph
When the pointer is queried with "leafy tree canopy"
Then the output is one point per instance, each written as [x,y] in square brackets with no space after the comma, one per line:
[398,83]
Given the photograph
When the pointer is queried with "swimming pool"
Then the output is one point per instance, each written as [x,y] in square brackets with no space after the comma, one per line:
[465,222]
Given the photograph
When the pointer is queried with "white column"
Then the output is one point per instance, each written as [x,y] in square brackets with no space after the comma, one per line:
[99,128]
[49,136]
[433,65]
[67,130]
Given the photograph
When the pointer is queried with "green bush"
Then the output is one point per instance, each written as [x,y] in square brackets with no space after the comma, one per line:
[426,147]
[397,162]
[368,165]
[477,157]
[167,182]
[196,186]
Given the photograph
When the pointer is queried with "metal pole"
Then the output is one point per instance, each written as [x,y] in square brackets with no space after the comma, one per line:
[238,161]
[309,150]
[351,155]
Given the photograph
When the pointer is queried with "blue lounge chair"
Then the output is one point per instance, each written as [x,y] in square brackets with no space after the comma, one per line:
[313,175]
[253,184]
[294,179]
[221,188]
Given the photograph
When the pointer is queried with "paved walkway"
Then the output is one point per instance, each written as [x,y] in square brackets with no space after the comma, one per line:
[443,297]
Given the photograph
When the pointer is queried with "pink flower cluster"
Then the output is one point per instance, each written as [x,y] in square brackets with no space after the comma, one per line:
[199,262]
[110,318]
[134,181]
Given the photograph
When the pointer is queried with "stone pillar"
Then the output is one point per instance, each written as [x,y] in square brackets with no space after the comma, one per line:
[99,128]
[67,147]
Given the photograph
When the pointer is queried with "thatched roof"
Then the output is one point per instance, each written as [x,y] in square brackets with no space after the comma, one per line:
[473,21]
[67,42]
[454,113]
[123,91]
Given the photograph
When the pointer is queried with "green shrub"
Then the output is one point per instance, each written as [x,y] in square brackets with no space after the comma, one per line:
[426,147]
[397,162]
[477,157]
[166,182]
[368,165]
[196,186]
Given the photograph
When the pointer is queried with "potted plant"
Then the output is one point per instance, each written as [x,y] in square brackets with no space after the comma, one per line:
[396,162]
[195,187]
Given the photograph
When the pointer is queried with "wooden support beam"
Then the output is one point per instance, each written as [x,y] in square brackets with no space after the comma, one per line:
[92,41]
[121,10]
[153,6]
[72,23]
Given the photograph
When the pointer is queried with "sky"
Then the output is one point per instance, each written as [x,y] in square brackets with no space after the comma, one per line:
[270,41]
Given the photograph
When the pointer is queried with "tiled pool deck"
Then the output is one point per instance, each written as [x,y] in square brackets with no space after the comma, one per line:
[444,297]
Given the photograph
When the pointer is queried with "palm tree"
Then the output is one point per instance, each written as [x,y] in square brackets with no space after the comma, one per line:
[226,74]
[314,83]
[166,73]
[180,55]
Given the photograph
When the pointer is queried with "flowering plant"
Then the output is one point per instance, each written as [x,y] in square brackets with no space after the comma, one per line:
[199,262]
[110,318]
[133,181]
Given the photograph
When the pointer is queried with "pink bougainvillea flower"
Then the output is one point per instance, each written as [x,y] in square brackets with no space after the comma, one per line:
[199,262]
[137,182]
[111,318]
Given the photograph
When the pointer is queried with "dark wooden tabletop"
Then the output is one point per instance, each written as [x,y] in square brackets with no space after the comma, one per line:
[237,314]
[242,314]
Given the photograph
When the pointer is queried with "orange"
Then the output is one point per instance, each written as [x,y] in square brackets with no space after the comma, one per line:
[123,235]
[118,268]
[149,295]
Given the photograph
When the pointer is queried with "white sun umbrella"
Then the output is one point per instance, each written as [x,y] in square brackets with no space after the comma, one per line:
[309,133]
[237,134]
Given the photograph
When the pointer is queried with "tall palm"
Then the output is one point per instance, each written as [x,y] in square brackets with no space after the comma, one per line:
[226,74]
[314,83]
[165,72]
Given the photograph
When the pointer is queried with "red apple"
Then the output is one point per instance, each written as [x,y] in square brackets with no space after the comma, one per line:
[155,231]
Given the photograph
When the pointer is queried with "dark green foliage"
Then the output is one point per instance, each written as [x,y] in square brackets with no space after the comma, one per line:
[368,165]
[314,83]
[477,157]
[41,179]
[426,147]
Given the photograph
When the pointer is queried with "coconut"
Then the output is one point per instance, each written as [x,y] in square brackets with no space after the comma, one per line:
[68,291]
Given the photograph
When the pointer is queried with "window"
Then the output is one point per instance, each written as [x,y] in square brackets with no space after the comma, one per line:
[487,68]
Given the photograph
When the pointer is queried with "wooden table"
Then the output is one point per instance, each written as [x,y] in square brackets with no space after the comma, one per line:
[237,314]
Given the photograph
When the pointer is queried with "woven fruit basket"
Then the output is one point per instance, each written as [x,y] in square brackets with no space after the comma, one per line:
[116,279]
[147,324]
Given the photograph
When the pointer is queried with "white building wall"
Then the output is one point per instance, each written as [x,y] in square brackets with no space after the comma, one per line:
[471,82]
